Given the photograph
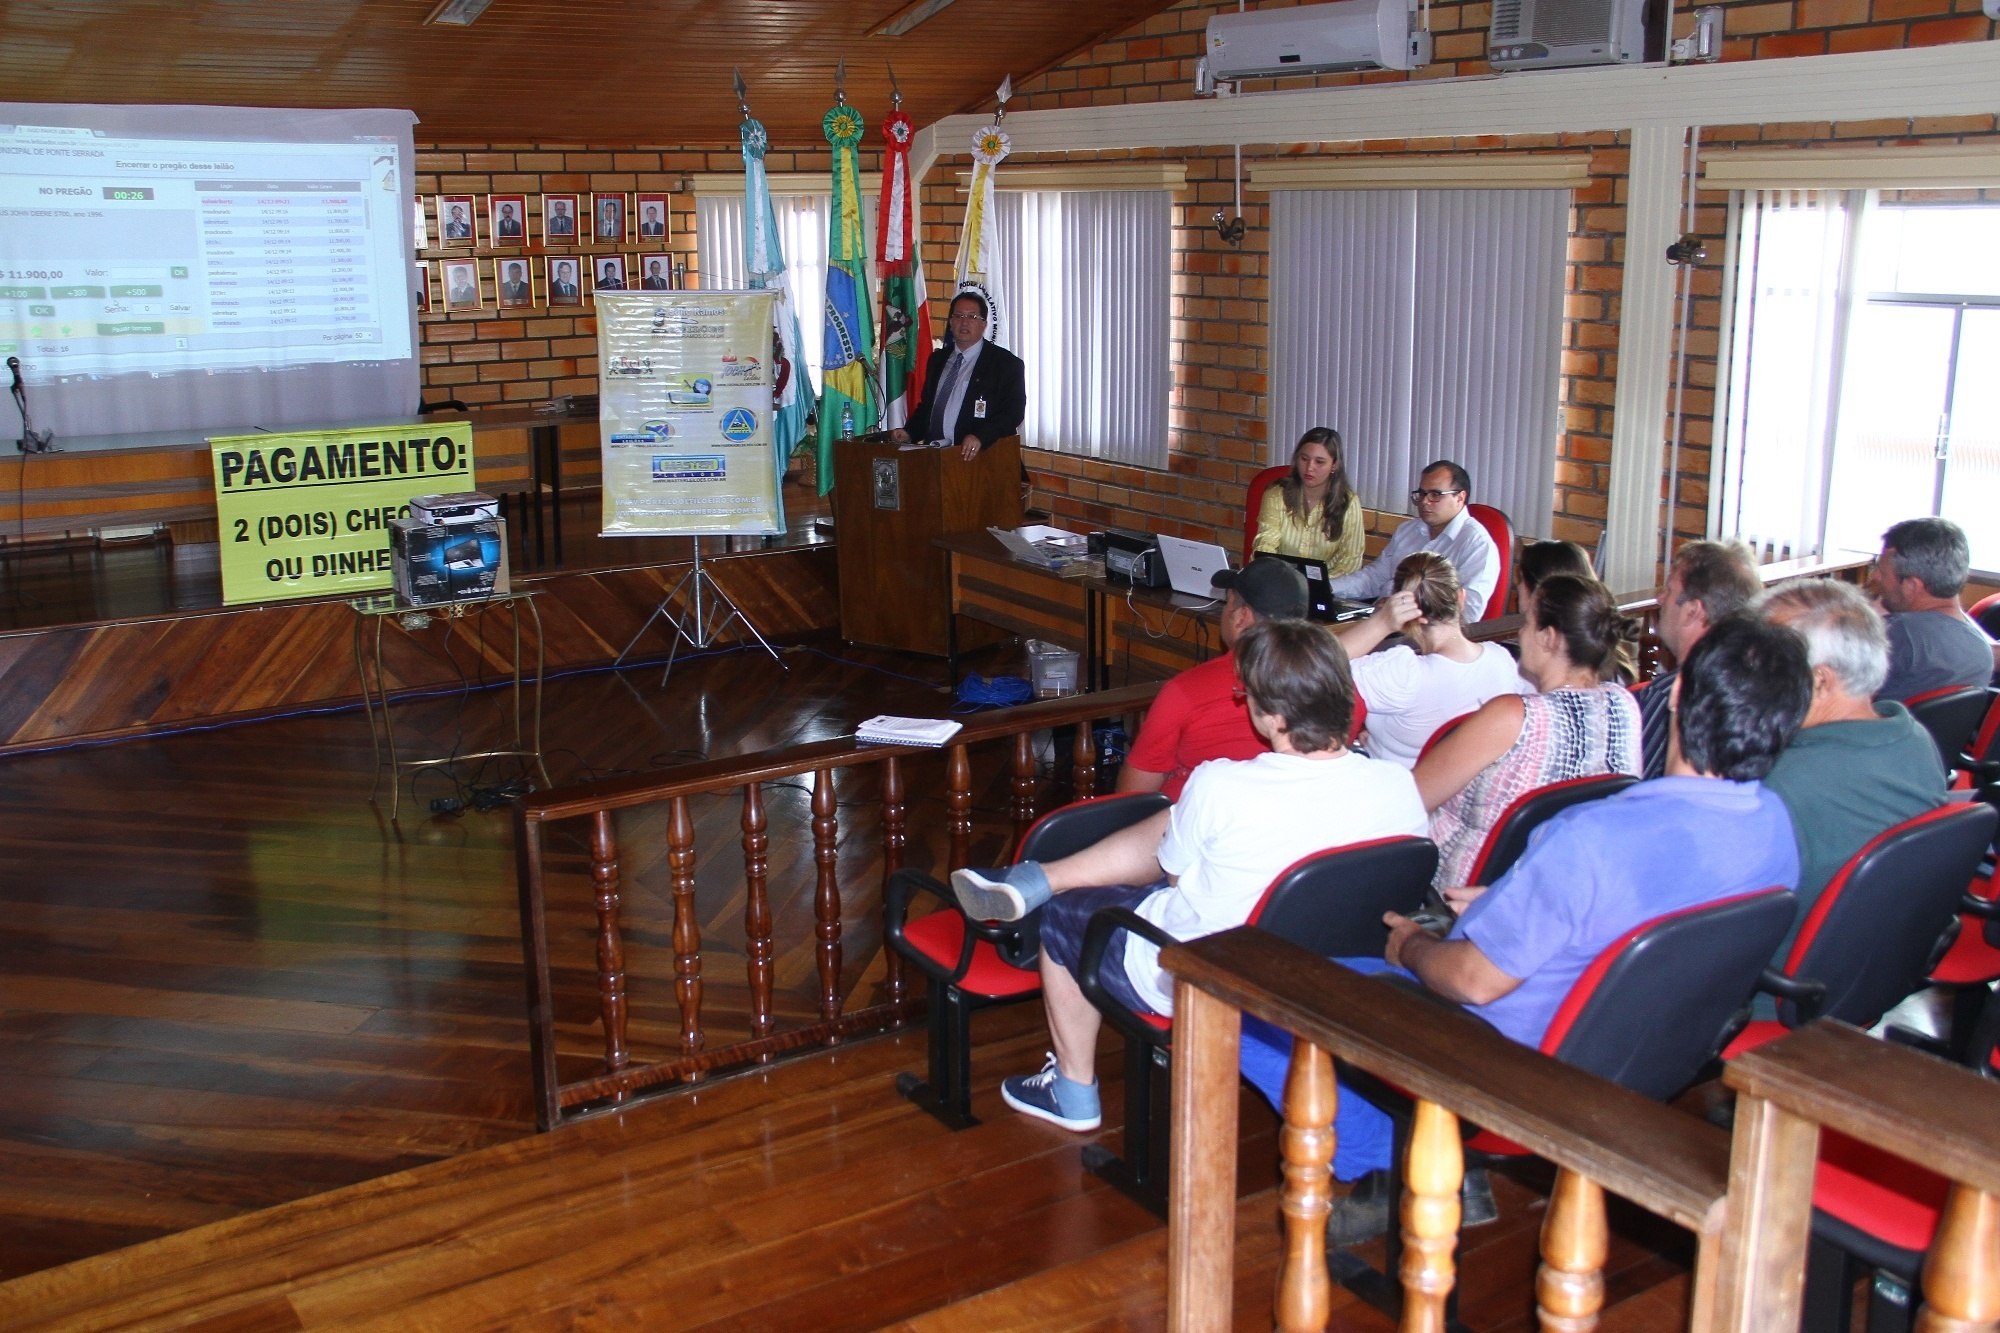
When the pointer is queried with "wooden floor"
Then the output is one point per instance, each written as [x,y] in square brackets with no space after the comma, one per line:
[227,982]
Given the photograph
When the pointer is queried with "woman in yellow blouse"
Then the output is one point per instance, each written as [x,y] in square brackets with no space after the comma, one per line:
[1314,512]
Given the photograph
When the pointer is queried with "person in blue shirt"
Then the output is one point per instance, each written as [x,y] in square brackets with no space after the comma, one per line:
[1707,830]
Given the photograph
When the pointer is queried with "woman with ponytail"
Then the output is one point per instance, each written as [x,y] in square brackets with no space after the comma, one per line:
[1574,648]
[1416,687]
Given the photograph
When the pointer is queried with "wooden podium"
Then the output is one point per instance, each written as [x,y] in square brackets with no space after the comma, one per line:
[889,505]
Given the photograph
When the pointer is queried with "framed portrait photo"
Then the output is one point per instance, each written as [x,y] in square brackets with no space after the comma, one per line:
[652,213]
[507,219]
[455,224]
[607,219]
[513,284]
[656,272]
[423,286]
[559,219]
[607,273]
[461,284]
[564,278]
[420,229]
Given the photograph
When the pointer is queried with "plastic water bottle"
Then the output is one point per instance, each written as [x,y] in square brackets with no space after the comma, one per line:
[847,421]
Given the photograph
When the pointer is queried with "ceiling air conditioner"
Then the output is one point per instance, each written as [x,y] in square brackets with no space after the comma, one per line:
[1549,34]
[1316,39]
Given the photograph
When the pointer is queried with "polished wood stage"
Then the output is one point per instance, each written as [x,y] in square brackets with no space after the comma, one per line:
[230,984]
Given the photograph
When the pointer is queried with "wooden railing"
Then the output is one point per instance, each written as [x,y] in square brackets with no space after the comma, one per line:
[1749,1206]
[619,1075]
[1830,1076]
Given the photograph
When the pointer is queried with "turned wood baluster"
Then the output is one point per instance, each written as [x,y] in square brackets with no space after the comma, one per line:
[1024,784]
[687,927]
[1961,1277]
[895,837]
[826,898]
[1305,1145]
[610,946]
[1569,1286]
[757,908]
[1432,1174]
[958,804]
[1083,764]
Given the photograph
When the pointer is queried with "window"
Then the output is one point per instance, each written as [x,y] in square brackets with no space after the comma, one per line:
[1085,280]
[1864,334]
[802,231]
[1423,324]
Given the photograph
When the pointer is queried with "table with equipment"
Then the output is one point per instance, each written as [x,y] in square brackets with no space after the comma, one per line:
[373,615]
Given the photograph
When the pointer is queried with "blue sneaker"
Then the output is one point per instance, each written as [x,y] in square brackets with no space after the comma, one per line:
[1051,1097]
[1006,893]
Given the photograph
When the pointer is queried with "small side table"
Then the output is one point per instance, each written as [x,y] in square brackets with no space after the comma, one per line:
[373,614]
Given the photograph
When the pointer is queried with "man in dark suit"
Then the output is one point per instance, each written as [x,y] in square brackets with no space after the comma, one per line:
[457,226]
[510,226]
[514,291]
[975,392]
[609,279]
[563,288]
[560,222]
[656,278]
[652,225]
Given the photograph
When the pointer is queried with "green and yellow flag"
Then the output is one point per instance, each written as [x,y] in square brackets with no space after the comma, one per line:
[848,403]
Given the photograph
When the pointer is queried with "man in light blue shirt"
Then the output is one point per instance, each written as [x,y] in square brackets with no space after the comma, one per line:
[1441,525]
[1708,830]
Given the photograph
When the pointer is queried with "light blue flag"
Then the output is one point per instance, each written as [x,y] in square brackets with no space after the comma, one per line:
[764,267]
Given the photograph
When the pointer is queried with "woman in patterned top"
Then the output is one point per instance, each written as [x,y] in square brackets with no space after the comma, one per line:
[1583,722]
[1314,512]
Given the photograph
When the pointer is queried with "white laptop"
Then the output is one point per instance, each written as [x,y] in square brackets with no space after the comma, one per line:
[1192,565]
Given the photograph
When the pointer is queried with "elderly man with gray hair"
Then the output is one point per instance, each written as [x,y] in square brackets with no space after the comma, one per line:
[1858,765]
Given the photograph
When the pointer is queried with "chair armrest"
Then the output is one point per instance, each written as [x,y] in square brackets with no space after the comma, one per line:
[1946,938]
[1804,992]
[902,887]
[1097,937]
[1986,909]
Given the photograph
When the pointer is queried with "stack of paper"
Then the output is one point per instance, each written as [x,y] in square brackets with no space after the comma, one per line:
[888,730]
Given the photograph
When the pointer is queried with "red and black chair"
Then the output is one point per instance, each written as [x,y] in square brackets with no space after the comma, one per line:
[1952,716]
[1509,836]
[1979,764]
[1502,532]
[1880,926]
[1253,505]
[972,965]
[1330,902]
[1872,1211]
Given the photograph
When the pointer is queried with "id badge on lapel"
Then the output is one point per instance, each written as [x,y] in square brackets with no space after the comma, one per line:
[979,409]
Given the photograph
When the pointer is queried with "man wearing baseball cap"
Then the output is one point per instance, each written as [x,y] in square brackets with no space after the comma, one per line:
[1200,714]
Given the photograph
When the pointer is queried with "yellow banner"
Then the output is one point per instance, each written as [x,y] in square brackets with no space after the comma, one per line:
[307,513]
[684,408]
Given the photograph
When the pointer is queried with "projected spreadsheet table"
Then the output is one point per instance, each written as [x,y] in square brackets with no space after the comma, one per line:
[130,255]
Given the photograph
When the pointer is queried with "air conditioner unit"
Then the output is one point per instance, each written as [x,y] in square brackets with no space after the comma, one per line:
[1550,34]
[1316,39]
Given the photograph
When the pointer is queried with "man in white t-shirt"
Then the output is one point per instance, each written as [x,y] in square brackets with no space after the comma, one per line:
[1202,866]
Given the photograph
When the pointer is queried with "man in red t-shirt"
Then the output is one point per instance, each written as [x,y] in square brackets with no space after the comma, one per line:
[1200,715]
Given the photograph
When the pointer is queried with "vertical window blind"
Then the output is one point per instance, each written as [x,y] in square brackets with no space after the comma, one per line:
[802,231]
[1086,279]
[1423,324]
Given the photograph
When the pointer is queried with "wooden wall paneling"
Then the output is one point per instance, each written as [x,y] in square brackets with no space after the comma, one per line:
[134,677]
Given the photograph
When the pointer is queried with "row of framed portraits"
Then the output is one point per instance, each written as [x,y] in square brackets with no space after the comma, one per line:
[525,282]
[562,220]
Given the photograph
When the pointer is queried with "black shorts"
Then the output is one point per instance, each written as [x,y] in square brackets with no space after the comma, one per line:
[1065,917]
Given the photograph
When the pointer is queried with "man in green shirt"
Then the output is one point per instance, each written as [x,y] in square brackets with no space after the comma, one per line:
[1857,766]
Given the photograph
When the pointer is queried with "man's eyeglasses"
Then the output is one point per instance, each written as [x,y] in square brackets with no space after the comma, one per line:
[1419,496]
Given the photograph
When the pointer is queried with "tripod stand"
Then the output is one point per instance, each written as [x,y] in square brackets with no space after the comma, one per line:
[697,625]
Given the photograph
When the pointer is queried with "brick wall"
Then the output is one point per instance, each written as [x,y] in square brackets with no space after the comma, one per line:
[1219,332]
[1217,439]
[491,357]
